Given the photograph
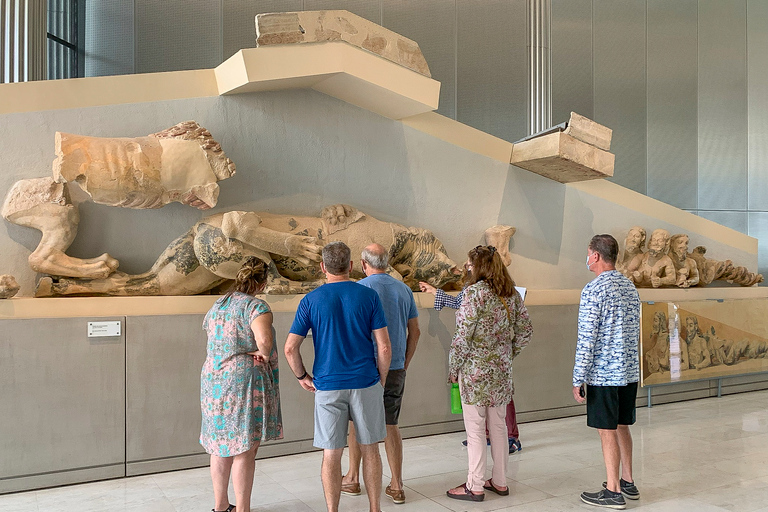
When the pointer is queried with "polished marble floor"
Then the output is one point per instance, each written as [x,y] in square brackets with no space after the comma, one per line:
[704,455]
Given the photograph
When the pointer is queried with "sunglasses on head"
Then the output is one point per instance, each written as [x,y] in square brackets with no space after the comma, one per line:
[489,247]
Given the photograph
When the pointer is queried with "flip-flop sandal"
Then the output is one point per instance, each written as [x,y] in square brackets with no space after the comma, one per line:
[467,496]
[490,487]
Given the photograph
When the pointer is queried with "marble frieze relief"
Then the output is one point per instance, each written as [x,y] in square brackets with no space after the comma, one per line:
[667,262]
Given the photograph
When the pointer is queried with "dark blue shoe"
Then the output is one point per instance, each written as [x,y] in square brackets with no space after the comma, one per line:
[515,445]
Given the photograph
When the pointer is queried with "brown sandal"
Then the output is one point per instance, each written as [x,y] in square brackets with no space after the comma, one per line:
[467,496]
[498,490]
[351,489]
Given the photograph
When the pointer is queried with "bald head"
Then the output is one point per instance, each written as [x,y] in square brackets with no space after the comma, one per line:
[377,257]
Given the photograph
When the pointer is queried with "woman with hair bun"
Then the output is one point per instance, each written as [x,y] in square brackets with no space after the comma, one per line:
[492,327]
[239,394]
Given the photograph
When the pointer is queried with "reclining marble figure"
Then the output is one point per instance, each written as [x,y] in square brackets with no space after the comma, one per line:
[213,250]
[181,164]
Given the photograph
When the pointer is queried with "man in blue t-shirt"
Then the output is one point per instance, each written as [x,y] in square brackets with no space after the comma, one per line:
[403,326]
[352,357]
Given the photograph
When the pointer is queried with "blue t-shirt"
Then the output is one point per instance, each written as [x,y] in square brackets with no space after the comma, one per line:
[342,317]
[399,307]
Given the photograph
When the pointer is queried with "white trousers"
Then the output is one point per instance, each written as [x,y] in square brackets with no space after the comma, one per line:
[475,421]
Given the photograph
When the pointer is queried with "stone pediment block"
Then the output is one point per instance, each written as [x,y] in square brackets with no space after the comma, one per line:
[323,26]
[563,158]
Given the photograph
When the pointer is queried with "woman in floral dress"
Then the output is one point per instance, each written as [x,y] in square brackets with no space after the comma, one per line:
[492,327]
[239,394]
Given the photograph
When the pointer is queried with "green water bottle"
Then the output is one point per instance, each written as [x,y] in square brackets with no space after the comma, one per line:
[455,399]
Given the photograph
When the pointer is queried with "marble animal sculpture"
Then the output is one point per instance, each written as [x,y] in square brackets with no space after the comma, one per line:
[668,263]
[213,250]
[181,164]
[8,286]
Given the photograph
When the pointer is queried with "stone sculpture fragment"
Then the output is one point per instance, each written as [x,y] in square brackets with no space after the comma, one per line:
[322,26]
[181,164]
[213,250]
[668,262]
[8,286]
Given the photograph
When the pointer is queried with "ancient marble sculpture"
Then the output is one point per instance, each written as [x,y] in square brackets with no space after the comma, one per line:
[322,26]
[710,270]
[668,263]
[685,267]
[499,237]
[654,268]
[181,164]
[213,250]
[8,286]
[634,245]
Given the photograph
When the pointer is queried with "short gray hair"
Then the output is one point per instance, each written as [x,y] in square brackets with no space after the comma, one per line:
[336,258]
[376,259]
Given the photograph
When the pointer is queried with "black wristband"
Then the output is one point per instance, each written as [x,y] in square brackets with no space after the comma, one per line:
[303,376]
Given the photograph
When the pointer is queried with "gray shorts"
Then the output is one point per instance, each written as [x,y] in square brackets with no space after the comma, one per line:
[335,409]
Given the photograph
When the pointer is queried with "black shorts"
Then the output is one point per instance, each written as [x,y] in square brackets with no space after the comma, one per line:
[393,395]
[610,406]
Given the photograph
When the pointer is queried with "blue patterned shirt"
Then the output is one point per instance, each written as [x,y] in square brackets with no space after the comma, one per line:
[609,332]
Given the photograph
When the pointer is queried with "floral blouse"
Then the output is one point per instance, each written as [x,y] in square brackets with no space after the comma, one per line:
[486,341]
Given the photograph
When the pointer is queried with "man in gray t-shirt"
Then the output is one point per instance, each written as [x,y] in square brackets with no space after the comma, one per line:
[403,325]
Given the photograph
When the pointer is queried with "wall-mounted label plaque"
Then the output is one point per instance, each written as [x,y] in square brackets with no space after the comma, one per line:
[103,329]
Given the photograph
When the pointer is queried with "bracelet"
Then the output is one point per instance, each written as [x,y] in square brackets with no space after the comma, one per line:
[303,376]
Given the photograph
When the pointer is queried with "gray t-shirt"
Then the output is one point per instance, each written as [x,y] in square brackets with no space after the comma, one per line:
[399,307]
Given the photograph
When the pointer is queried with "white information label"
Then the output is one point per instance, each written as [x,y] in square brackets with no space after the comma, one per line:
[103,329]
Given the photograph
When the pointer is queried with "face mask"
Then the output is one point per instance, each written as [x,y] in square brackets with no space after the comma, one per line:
[588,263]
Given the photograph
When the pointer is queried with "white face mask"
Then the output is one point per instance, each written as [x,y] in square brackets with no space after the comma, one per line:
[588,265]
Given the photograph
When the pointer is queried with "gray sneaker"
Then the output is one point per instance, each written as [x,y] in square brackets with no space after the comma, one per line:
[628,489]
[605,499]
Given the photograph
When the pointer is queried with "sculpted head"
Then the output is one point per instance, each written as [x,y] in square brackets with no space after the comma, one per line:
[678,245]
[635,239]
[659,243]
[691,327]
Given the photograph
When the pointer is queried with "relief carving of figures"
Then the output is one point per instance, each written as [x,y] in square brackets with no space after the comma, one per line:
[181,164]
[654,268]
[657,358]
[213,250]
[668,263]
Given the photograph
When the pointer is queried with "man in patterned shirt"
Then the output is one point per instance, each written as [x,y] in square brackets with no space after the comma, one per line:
[607,362]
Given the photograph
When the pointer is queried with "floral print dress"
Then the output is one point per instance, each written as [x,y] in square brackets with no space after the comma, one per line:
[487,339]
[240,400]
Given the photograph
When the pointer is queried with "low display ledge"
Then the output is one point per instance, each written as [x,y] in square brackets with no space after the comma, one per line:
[337,69]
[76,307]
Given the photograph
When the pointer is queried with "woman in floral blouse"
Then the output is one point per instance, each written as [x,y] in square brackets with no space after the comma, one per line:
[492,327]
